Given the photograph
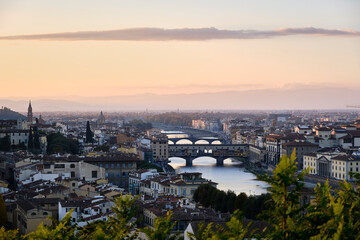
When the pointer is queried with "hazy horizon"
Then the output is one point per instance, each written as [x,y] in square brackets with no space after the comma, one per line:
[89,53]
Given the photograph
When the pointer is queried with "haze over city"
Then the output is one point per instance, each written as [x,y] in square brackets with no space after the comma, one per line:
[92,55]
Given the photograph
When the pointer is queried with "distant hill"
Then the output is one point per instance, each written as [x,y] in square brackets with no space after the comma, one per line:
[8,114]
[300,98]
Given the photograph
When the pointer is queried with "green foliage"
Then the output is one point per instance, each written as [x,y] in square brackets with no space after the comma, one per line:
[62,230]
[203,233]
[175,119]
[102,148]
[234,230]
[140,124]
[57,143]
[3,216]
[89,134]
[162,229]
[146,165]
[285,212]
[9,234]
[120,226]
[331,215]
[209,196]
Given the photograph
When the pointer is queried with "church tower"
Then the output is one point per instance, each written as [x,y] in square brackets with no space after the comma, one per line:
[30,113]
[101,119]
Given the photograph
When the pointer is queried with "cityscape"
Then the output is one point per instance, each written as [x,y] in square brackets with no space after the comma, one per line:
[182,120]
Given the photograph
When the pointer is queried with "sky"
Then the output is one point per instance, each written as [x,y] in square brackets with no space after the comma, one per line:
[62,49]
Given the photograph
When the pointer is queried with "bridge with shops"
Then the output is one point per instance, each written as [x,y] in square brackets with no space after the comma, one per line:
[196,140]
[218,151]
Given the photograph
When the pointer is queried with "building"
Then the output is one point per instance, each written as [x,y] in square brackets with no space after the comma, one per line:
[29,215]
[76,169]
[125,138]
[257,155]
[101,119]
[159,147]
[336,164]
[86,210]
[301,149]
[17,136]
[117,167]
[30,114]
[136,177]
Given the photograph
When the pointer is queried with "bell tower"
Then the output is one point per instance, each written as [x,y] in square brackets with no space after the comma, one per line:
[30,113]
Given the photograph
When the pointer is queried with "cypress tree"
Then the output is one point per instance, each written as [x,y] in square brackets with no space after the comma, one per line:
[3,216]
[31,140]
[36,139]
[89,133]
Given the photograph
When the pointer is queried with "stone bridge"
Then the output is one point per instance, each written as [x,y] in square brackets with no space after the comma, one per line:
[194,140]
[218,151]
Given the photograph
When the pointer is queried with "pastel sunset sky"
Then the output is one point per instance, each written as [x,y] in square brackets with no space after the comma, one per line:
[66,48]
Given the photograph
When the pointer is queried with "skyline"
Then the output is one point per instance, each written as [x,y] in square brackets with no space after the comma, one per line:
[167,48]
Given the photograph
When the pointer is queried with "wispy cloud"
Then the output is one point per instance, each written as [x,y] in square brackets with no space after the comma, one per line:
[181,34]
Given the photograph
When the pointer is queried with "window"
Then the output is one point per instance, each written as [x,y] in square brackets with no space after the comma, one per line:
[184,192]
[118,165]
[72,165]
[94,174]
[112,165]
[124,166]
[73,184]
[101,165]
[106,166]
[72,174]
[59,166]
[45,214]
[129,165]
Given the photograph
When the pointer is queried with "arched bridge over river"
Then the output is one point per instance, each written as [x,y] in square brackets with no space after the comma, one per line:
[217,151]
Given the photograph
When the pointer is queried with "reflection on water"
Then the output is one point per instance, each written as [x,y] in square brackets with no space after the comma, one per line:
[230,176]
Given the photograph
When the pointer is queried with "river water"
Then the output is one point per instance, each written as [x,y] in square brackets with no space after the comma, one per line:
[231,176]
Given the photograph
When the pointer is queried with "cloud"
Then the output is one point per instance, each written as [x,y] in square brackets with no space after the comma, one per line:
[181,34]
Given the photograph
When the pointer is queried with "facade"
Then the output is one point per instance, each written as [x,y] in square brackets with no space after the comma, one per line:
[117,167]
[159,147]
[29,215]
[257,155]
[332,165]
[17,136]
[301,149]
[136,177]
[30,113]
[78,170]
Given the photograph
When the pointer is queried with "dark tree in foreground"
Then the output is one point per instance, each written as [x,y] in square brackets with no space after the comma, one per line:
[89,133]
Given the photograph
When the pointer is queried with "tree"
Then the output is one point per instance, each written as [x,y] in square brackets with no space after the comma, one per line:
[8,234]
[89,133]
[63,229]
[120,226]
[203,233]
[31,139]
[162,229]
[5,143]
[235,229]
[36,139]
[285,212]
[3,215]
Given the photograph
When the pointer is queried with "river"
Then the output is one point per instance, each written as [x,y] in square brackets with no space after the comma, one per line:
[231,176]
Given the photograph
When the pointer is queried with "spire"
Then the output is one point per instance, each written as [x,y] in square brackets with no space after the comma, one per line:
[30,113]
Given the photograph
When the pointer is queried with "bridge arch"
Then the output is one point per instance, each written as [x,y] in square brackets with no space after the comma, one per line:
[170,142]
[201,160]
[216,142]
[184,141]
[202,141]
